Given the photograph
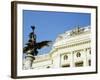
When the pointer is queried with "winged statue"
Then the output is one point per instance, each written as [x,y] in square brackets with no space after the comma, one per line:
[32,46]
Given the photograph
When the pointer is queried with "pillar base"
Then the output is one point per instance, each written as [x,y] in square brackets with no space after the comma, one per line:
[28,61]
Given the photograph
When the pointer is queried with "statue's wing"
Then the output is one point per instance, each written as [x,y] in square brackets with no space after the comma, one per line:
[42,44]
[25,49]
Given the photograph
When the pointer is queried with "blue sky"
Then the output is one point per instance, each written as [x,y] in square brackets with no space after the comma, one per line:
[50,24]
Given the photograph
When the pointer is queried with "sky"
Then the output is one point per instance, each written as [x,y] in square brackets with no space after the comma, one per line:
[48,25]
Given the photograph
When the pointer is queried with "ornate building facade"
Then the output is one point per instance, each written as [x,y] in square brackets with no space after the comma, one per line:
[70,49]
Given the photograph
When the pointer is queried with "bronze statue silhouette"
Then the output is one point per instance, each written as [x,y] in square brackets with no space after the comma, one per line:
[32,46]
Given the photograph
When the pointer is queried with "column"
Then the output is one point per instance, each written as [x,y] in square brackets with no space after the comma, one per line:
[72,59]
[28,61]
[85,57]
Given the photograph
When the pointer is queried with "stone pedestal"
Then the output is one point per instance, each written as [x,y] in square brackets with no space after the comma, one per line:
[28,61]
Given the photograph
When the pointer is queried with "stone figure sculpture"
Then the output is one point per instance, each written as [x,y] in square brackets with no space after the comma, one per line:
[32,46]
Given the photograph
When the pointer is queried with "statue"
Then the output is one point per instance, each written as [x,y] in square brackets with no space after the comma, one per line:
[76,31]
[32,46]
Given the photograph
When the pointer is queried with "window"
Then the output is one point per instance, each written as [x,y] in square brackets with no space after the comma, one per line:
[90,52]
[78,64]
[78,54]
[65,57]
[89,62]
[66,65]
[48,66]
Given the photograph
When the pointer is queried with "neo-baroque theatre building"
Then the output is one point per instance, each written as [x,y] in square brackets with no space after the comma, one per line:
[70,49]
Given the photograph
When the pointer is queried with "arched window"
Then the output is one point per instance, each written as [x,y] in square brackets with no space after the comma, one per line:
[78,54]
[90,52]
[65,57]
